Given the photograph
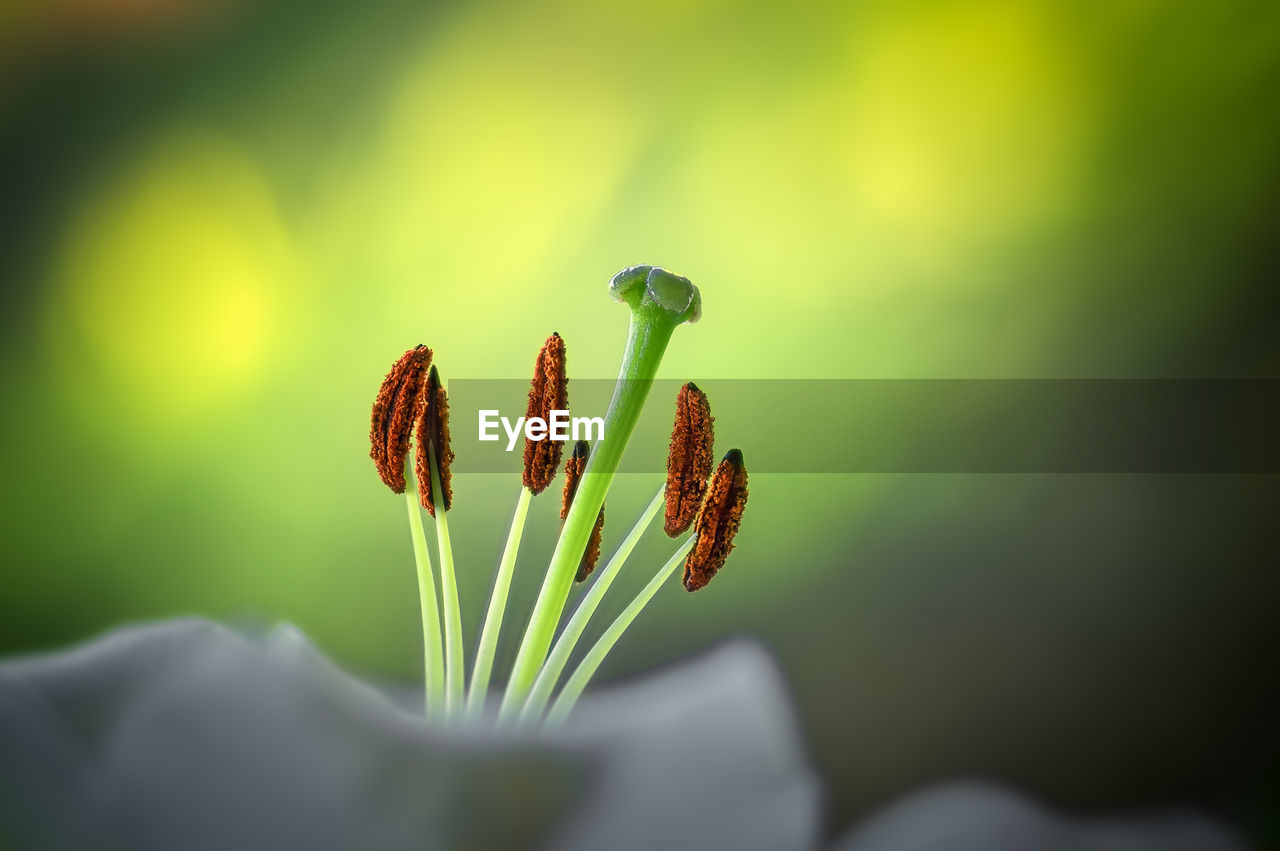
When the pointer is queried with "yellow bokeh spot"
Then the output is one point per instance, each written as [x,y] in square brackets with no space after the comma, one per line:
[495,159]
[968,122]
[172,280]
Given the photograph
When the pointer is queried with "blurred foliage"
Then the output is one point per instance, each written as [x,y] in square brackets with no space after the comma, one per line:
[223,222]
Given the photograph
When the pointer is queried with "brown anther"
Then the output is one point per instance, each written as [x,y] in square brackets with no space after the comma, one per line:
[717,521]
[591,554]
[572,476]
[433,437]
[549,391]
[397,407]
[688,459]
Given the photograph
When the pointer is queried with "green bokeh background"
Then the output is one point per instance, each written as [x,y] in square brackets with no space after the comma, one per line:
[222,222]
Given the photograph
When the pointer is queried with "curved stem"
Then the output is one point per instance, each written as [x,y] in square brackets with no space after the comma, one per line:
[454,666]
[647,338]
[432,651]
[591,662]
[497,607]
[568,639]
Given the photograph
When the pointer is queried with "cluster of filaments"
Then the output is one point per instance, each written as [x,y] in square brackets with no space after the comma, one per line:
[411,410]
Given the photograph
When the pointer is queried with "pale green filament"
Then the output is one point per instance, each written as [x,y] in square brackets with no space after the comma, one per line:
[568,639]
[454,665]
[591,662]
[497,608]
[432,650]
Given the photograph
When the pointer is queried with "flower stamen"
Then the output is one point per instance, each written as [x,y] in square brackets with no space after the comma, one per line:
[717,522]
[548,391]
[688,459]
[396,408]
[572,476]
[433,437]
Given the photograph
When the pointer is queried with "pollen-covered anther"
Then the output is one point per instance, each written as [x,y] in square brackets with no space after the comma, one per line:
[688,459]
[396,408]
[573,475]
[591,554]
[433,438]
[548,391]
[717,522]
[573,469]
